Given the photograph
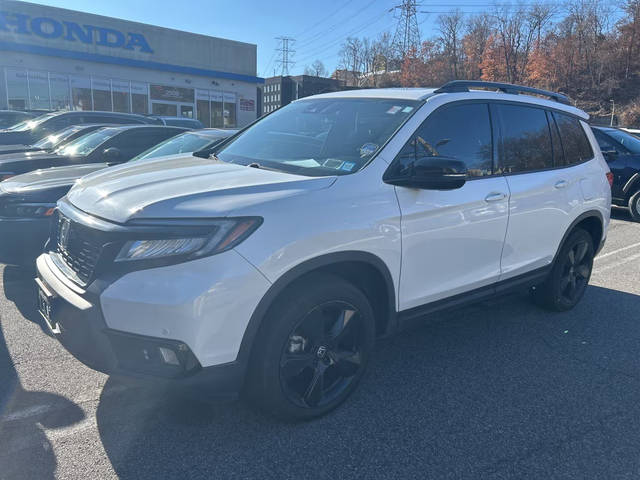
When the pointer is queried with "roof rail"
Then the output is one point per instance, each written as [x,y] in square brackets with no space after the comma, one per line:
[464,85]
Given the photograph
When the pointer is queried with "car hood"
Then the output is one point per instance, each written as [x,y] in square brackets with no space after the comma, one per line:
[182,187]
[48,178]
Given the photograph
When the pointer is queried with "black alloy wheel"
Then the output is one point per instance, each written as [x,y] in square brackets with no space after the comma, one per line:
[575,271]
[312,348]
[322,355]
[569,277]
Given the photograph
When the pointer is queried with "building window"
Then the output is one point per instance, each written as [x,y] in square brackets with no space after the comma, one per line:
[39,90]
[203,107]
[59,85]
[101,94]
[81,93]
[120,96]
[139,98]
[230,110]
[17,90]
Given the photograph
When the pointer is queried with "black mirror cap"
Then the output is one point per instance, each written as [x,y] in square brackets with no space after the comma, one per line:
[432,173]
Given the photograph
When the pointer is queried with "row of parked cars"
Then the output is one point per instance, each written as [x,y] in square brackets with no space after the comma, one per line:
[39,164]
[269,262]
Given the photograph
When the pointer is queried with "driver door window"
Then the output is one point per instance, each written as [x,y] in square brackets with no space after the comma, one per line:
[459,131]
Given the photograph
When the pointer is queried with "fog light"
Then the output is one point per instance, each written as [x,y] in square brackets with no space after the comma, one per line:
[169,356]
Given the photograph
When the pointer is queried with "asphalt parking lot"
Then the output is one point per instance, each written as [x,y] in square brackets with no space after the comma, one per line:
[501,389]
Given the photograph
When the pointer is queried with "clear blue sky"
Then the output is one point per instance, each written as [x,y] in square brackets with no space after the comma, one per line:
[319,26]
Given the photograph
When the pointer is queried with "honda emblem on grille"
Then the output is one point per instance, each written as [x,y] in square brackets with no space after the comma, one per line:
[63,238]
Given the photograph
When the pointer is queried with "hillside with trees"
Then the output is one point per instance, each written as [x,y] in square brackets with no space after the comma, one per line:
[587,49]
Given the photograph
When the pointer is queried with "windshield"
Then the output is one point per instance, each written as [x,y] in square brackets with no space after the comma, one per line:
[184,143]
[330,136]
[58,138]
[629,141]
[31,123]
[86,144]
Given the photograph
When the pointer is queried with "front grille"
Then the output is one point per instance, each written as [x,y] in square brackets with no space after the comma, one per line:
[77,247]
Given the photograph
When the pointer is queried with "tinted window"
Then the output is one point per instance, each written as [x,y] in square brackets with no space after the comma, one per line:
[605,143]
[628,141]
[574,141]
[459,131]
[525,137]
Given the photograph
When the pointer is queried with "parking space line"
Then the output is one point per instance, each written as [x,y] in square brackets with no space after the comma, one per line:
[608,254]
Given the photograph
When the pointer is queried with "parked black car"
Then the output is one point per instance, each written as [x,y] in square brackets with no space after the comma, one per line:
[200,143]
[622,152]
[27,201]
[53,141]
[30,131]
[107,144]
[9,118]
[185,122]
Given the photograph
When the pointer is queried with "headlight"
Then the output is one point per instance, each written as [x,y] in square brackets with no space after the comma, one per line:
[223,235]
[26,210]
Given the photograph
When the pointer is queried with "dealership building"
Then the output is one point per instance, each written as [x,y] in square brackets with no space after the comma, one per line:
[53,58]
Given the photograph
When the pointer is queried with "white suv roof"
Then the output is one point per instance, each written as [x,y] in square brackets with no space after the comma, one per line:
[504,93]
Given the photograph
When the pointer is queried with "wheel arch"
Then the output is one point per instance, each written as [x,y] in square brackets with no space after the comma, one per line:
[632,186]
[593,222]
[365,270]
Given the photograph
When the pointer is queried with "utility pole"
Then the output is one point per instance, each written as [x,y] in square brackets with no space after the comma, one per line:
[285,54]
[613,111]
[407,34]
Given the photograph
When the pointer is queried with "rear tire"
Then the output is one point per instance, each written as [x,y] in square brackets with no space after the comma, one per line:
[567,282]
[312,348]
[634,206]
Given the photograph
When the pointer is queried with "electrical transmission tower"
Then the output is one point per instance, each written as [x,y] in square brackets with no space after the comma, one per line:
[285,54]
[407,35]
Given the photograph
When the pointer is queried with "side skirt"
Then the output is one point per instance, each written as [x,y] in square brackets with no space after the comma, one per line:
[407,318]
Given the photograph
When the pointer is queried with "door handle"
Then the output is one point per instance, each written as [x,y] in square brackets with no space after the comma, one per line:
[495,197]
[561,184]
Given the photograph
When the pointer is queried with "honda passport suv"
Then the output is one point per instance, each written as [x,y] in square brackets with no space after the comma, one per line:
[272,267]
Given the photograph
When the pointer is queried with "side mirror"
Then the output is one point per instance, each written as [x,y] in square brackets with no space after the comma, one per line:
[432,173]
[610,155]
[112,154]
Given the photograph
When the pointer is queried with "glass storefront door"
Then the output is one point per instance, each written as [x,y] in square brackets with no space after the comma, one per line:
[172,109]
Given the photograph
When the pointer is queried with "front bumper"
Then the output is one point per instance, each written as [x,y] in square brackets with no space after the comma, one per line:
[22,238]
[79,322]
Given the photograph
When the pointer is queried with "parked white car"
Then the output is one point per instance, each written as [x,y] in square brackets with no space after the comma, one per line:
[272,267]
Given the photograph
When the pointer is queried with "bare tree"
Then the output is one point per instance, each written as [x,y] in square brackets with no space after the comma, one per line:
[450,26]
[352,59]
[316,69]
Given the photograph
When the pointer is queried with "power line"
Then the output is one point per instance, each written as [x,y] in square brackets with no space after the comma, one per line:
[306,31]
[371,21]
[323,34]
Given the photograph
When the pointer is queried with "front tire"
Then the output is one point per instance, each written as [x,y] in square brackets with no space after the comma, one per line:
[634,206]
[567,282]
[312,349]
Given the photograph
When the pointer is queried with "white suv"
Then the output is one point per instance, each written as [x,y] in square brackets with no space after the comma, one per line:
[271,267]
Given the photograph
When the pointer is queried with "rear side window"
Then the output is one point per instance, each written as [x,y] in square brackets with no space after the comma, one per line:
[461,131]
[526,139]
[575,144]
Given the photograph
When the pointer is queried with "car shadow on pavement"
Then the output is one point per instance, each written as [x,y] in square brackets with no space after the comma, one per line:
[20,288]
[25,450]
[619,213]
[501,389]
